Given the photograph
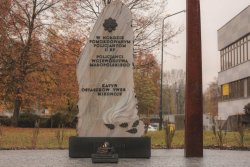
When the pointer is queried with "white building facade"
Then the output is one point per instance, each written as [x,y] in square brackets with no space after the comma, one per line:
[234,75]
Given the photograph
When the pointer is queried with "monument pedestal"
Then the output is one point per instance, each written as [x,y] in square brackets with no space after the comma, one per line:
[125,147]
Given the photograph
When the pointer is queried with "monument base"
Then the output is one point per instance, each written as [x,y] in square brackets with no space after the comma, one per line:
[125,147]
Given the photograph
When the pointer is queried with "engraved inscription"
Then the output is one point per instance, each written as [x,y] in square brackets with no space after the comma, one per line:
[105,90]
[108,57]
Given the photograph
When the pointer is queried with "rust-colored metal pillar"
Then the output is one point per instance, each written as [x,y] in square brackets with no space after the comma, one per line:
[193,111]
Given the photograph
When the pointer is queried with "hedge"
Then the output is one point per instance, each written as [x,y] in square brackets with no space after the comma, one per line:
[5,121]
[28,120]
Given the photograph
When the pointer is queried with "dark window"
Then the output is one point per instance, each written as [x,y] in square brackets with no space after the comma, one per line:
[245,51]
[233,90]
[221,60]
[235,54]
[230,58]
[242,51]
[233,57]
[248,86]
[226,60]
[241,88]
[238,54]
[248,49]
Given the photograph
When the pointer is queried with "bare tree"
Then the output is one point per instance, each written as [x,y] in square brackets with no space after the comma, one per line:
[147,20]
[174,91]
[26,25]
[211,97]
[21,52]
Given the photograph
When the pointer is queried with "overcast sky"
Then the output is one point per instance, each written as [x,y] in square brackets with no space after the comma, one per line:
[214,14]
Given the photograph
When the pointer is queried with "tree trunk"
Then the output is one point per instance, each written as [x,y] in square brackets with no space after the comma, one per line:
[17,106]
[69,106]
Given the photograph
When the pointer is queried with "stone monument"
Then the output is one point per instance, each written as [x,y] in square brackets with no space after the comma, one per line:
[107,103]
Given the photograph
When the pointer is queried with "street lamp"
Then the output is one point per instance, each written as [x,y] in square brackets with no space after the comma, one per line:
[162,39]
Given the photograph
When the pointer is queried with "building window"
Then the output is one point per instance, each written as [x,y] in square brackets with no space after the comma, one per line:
[226,59]
[236,53]
[245,49]
[248,49]
[221,60]
[241,88]
[233,58]
[242,51]
[233,90]
[248,87]
[225,91]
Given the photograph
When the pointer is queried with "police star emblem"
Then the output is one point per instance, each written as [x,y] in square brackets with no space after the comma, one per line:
[110,24]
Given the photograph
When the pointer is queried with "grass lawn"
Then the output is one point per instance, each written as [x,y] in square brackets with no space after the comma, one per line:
[231,139]
[21,138]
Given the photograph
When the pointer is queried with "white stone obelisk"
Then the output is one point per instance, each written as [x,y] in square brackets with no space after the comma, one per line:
[107,103]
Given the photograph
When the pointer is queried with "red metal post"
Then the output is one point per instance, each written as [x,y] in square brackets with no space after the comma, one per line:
[193,111]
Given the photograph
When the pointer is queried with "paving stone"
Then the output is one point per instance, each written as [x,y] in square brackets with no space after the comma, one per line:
[160,158]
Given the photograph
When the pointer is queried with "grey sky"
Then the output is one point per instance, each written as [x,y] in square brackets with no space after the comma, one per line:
[214,14]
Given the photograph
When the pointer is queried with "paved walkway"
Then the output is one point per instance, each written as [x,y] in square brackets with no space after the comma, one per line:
[160,158]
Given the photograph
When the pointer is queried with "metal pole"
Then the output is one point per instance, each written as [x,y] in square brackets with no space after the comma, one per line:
[162,39]
[193,102]
[177,100]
